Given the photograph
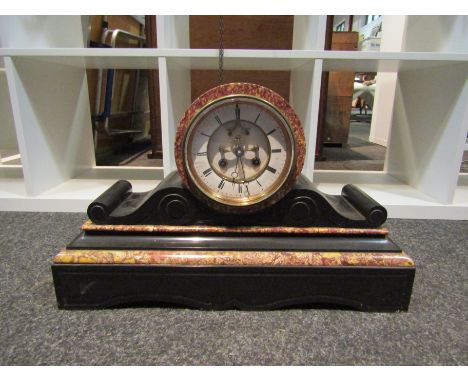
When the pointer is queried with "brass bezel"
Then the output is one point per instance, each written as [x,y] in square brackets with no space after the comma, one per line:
[270,191]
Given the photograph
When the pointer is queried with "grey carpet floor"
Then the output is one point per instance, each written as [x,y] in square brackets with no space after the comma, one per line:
[34,332]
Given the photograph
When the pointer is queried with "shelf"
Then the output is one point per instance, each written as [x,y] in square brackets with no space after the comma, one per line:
[75,194]
[89,58]
[71,196]
[389,61]
[48,91]
[122,172]
[238,59]
[401,200]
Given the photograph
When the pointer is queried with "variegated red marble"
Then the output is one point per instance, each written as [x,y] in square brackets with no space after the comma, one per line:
[237,258]
[241,89]
[90,226]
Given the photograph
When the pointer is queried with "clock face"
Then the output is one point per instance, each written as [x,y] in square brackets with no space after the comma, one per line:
[239,152]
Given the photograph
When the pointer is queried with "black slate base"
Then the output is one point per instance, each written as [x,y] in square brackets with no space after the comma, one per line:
[372,289]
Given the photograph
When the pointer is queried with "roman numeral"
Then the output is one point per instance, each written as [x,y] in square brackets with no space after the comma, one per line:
[221,184]
[206,135]
[237,112]
[259,183]
[271,132]
[256,119]
[240,188]
[204,153]
[218,120]
[275,151]
[208,171]
[271,169]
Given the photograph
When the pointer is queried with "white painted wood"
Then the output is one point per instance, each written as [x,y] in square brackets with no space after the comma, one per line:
[405,202]
[41,31]
[305,99]
[401,200]
[240,58]
[167,118]
[174,82]
[234,61]
[97,61]
[123,172]
[332,60]
[433,33]
[393,39]
[309,32]
[429,128]
[342,177]
[71,196]
[51,111]
[387,61]
[173,32]
[382,110]
[85,28]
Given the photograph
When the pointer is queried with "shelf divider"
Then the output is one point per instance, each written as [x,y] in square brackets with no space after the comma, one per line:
[174,82]
[305,98]
[430,121]
[52,118]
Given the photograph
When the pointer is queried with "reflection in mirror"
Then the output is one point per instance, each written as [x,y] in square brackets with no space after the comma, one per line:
[124,103]
[464,164]
[344,134]
[9,152]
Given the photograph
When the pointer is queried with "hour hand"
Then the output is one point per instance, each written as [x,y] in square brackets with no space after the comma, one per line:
[223,150]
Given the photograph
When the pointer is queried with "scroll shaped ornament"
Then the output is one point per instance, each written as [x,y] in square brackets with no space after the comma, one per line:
[171,203]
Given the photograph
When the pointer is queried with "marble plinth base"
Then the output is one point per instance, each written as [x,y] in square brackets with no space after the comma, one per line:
[224,268]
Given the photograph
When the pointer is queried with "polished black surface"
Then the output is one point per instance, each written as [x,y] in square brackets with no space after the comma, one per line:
[375,289]
[232,242]
[172,204]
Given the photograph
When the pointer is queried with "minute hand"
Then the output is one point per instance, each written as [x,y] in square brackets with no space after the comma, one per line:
[242,165]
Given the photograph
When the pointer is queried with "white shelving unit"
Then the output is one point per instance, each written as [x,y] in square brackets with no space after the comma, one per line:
[49,99]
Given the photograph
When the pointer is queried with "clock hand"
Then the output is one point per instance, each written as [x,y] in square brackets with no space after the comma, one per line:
[223,162]
[256,160]
[235,174]
[242,164]
[246,184]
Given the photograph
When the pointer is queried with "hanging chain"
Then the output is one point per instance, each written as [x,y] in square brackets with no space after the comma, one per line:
[221,50]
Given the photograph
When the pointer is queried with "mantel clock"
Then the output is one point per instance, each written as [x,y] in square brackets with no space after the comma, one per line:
[239,147]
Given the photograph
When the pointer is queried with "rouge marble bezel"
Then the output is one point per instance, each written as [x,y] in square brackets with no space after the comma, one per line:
[291,125]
